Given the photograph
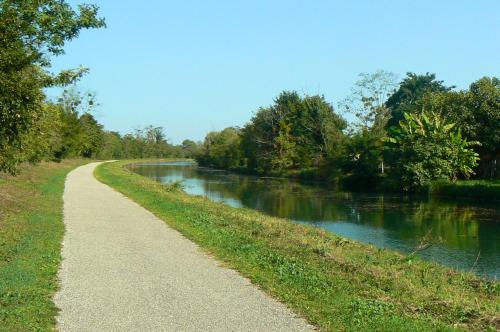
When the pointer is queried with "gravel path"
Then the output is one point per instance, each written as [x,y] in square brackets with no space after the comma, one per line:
[124,269]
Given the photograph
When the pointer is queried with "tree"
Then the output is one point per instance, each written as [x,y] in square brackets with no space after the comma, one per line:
[148,142]
[133,145]
[361,160]
[368,104]
[284,149]
[112,147]
[91,139]
[80,134]
[317,132]
[156,145]
[429,148]
[483,99]
[368,97]
[30,33]
[221,149]
[257,141]
[407,98]
[476,112]
[190,149]
[295,133]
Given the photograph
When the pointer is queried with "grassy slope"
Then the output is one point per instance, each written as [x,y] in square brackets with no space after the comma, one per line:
[488,190]
[335,283]
[31,231]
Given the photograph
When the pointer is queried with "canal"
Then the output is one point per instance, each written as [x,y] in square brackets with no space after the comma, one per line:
[464,235]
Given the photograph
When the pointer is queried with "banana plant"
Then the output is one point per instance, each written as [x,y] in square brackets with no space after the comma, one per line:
[427,148]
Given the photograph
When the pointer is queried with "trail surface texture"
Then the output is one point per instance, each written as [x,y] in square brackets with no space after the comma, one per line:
[124,269]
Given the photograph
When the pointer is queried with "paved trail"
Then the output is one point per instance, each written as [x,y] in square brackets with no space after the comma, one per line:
[125,270]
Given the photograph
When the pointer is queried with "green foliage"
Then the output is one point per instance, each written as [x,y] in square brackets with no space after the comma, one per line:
[91,138]
[148,142]
[407,98]
[295,133]
[190,149]
[112,147]
[483,190]
[477,114]
[367,98]
[429,149]
[362,159]
[304,137]
[221,149]
[80,134]
[284,149]
[31,32]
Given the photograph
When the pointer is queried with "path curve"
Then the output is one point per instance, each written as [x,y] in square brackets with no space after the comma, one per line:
[124,269]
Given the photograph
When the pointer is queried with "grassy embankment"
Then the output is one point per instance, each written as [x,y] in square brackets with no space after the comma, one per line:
[31,231]
[487,190]
[337,284]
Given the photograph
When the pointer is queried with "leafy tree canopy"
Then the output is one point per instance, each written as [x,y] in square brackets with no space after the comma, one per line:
[31,31]
[430,148]
[476,112]
[368,97]
[411,90]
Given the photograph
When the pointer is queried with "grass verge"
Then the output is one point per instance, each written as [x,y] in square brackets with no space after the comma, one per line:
[31,231]
[337,284]
[486,190]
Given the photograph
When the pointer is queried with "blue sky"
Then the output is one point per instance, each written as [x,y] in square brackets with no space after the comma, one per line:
[196,66]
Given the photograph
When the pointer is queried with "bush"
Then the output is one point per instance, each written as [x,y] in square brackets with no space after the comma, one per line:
[426,148]
[478,190]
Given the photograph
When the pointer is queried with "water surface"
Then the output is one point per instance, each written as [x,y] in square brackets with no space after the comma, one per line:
[467,234]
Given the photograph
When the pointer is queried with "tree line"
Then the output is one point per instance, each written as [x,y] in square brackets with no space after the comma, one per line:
[400,135]
[34,128]
[67,128]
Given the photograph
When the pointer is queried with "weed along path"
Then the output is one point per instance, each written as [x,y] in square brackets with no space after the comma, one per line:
[124,269]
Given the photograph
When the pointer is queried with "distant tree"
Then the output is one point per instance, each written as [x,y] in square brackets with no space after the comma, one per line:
[80,134]
[91,139]
[148,142]
[368,98]
[190,149]
[112,147]
[476,112]
[133,146]
[429,148]
[407,98]
[317,131]
[367,102]
[31,32]
[285,149]
[295,133]
[155,142]
[483,100]
[221,149]
[258,140]
[361,160]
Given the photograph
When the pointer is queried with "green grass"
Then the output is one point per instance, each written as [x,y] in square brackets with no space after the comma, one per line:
[31,231]
[486,190]
[335,283]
